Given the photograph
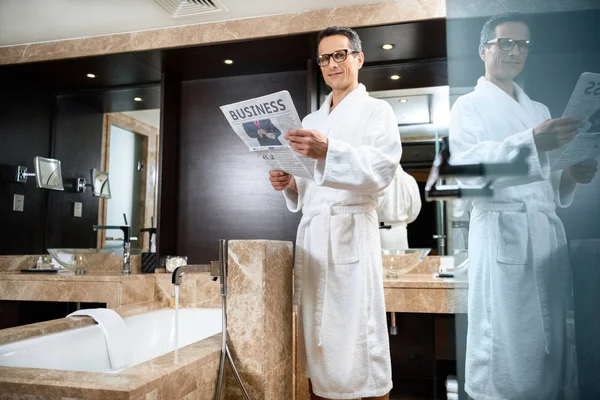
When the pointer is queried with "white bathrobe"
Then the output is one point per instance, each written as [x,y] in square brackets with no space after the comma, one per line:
[338,273]
[518,263]
[398,205]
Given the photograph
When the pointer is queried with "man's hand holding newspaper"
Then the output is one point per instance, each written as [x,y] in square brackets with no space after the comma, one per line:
[282,181]
[310,143]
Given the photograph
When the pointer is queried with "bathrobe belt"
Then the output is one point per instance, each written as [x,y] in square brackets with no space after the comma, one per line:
[534,231]
[320,257]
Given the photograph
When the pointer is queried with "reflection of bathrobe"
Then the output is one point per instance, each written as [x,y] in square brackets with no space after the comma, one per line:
[398,205]
[338,269]
[518,264]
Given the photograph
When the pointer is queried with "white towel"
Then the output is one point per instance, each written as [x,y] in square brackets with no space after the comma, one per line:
[452,396]
[116,334]
[451,384]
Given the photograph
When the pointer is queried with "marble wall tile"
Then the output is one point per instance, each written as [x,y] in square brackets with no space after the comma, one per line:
[260,316]
[245,305]
[302,392]
[255,385]
[153,395]
[139,308]
[206,381]
[113,263]
[177,386]
[277,297]
[428,266]
[16,263]
[137,290]
[196,290]
[89,292]
[389,12]
[278,384]
[260,303]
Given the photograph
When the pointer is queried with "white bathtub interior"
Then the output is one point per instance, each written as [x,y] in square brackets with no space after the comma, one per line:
[150,335]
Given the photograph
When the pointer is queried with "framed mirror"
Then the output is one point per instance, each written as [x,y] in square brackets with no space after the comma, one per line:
[48,174]
[100,184]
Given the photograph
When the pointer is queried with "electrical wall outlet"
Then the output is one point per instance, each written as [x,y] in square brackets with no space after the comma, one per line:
[18,202]
[77,209]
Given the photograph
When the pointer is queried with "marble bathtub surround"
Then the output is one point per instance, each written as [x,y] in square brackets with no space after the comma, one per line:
[128,295]
[260,329]
[189,374]
[389,12]
[259,313]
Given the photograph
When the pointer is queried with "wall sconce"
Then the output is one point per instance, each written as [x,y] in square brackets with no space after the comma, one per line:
[100,184]
[48,174]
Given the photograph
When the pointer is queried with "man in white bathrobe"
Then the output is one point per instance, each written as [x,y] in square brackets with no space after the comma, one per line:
[519,279]
[399,204]
[338,273]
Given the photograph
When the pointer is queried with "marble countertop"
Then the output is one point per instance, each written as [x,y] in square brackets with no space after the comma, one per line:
[419,291]
[90,276]
[425,281]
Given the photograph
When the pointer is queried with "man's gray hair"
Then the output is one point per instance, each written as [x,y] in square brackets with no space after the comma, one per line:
[355,43]
[488,32]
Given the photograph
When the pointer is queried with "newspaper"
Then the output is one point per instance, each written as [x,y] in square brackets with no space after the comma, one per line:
[585,105]
[261,123]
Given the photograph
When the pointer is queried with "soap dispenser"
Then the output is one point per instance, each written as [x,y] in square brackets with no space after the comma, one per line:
[149,258]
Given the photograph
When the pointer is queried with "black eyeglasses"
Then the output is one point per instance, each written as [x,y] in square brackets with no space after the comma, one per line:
[506,44]
[338,56]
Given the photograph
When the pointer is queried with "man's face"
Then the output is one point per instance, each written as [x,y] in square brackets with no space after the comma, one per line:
[340,76]
[505,64]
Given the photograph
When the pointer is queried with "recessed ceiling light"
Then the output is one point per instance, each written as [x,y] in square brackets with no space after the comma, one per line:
[228,62]
[91,76]
[395,77]
[387,46]
[137,98]
[403,100]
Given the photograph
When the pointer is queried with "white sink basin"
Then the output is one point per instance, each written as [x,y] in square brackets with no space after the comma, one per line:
[77,260]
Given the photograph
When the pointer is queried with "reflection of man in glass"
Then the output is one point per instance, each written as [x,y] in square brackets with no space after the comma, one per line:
[594,119]
[518,262]
[264,131]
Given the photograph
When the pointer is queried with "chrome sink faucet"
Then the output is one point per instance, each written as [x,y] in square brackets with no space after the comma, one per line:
[126,242]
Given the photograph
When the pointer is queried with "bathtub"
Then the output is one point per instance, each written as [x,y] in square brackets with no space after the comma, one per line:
[84,349]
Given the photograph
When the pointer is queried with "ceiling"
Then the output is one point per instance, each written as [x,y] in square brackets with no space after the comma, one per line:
[34,21]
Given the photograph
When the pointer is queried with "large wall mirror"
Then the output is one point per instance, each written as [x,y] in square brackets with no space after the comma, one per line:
[97,114]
